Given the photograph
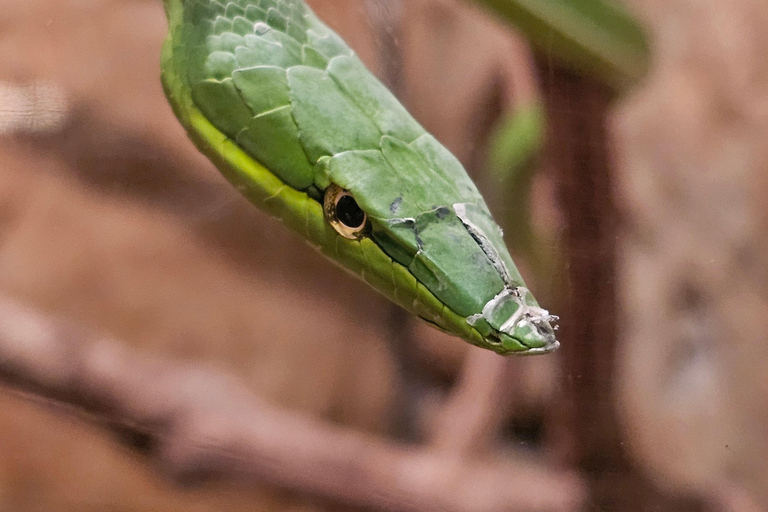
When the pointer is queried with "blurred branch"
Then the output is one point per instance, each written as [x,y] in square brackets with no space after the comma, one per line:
[197,424]
[594,36]
[475,408]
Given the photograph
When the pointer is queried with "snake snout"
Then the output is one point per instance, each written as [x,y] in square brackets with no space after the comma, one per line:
[538,335]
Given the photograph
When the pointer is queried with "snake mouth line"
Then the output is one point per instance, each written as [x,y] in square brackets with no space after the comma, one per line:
[532,351]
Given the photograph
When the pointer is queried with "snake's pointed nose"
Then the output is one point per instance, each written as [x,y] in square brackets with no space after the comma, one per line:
[535,333]
[515,323]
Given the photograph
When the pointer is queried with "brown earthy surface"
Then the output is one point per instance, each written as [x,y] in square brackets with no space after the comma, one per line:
[693,162]
[111,220]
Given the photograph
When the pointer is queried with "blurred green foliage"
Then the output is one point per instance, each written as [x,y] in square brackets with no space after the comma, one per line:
[513,153]
[597,37]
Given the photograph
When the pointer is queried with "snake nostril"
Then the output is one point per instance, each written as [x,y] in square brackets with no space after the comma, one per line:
[493,338]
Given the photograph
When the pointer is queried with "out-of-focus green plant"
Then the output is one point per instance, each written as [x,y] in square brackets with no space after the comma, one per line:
[513,153]
[513,148]
[598,37]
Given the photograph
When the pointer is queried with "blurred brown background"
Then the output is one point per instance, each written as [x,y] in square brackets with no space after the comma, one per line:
[110,219]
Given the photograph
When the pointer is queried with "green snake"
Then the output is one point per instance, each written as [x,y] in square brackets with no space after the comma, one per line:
[295,121]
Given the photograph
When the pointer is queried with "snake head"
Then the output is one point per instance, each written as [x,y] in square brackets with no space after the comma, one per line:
[296,122]
[428,218]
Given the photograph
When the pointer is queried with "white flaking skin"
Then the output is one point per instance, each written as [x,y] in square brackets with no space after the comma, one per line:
[524,314]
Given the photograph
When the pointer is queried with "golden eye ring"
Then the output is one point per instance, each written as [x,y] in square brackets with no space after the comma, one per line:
[343,213]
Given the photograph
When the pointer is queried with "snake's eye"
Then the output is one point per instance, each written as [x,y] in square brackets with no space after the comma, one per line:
[343,213]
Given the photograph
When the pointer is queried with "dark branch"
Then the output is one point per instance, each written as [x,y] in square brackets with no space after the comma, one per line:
[197,424]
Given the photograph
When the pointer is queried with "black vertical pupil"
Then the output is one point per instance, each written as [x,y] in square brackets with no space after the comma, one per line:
[349,213]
